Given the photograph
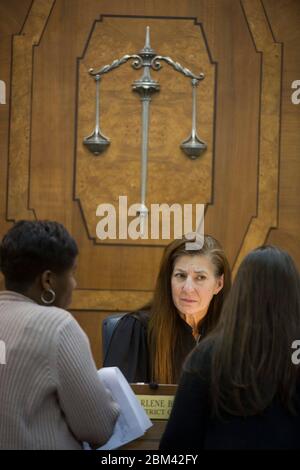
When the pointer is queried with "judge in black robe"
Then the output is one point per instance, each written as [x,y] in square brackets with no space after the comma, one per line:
[128,348]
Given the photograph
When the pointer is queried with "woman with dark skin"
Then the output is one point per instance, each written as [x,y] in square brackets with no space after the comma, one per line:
[50,396]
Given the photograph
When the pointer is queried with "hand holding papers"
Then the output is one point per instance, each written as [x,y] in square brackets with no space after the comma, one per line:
[133,420]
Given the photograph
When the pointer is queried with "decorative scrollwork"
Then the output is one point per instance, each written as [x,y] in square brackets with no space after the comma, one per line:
[156,65]
[137,64]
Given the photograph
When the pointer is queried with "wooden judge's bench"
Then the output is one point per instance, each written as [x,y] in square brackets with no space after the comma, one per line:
[157,403]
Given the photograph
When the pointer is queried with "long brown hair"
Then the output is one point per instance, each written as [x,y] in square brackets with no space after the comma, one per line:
[165,331]
[252,345]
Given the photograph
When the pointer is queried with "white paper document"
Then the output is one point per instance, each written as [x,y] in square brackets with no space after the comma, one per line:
[133,421]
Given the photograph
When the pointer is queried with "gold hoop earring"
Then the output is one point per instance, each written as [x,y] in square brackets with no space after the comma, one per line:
[49,301]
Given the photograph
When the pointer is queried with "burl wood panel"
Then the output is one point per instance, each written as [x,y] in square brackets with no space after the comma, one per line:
[102,179]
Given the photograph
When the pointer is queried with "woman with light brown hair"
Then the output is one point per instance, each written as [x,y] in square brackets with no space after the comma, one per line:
[151,344]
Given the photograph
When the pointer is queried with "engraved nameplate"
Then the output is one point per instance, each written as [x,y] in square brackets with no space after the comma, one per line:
[157,406]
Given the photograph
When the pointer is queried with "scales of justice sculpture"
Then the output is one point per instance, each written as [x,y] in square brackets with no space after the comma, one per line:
[146,86]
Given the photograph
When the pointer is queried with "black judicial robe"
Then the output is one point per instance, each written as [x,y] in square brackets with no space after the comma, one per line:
[128,348]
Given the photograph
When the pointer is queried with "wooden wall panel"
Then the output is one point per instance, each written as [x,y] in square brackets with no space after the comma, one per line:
[284,17]
[50,190]
[266,216]
[20,120]
[237,123]
[12,18]
[91,322]
[110,300]
[252,181]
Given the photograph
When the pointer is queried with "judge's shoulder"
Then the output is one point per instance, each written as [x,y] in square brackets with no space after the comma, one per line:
[141,315]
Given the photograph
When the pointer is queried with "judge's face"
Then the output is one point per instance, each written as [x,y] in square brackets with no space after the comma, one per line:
[193,285]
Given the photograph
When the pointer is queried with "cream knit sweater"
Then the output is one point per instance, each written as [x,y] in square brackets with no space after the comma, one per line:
[50,393]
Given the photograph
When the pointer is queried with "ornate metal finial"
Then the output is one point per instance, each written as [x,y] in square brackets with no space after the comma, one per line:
[145,86]
[147,53]
[147,42]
